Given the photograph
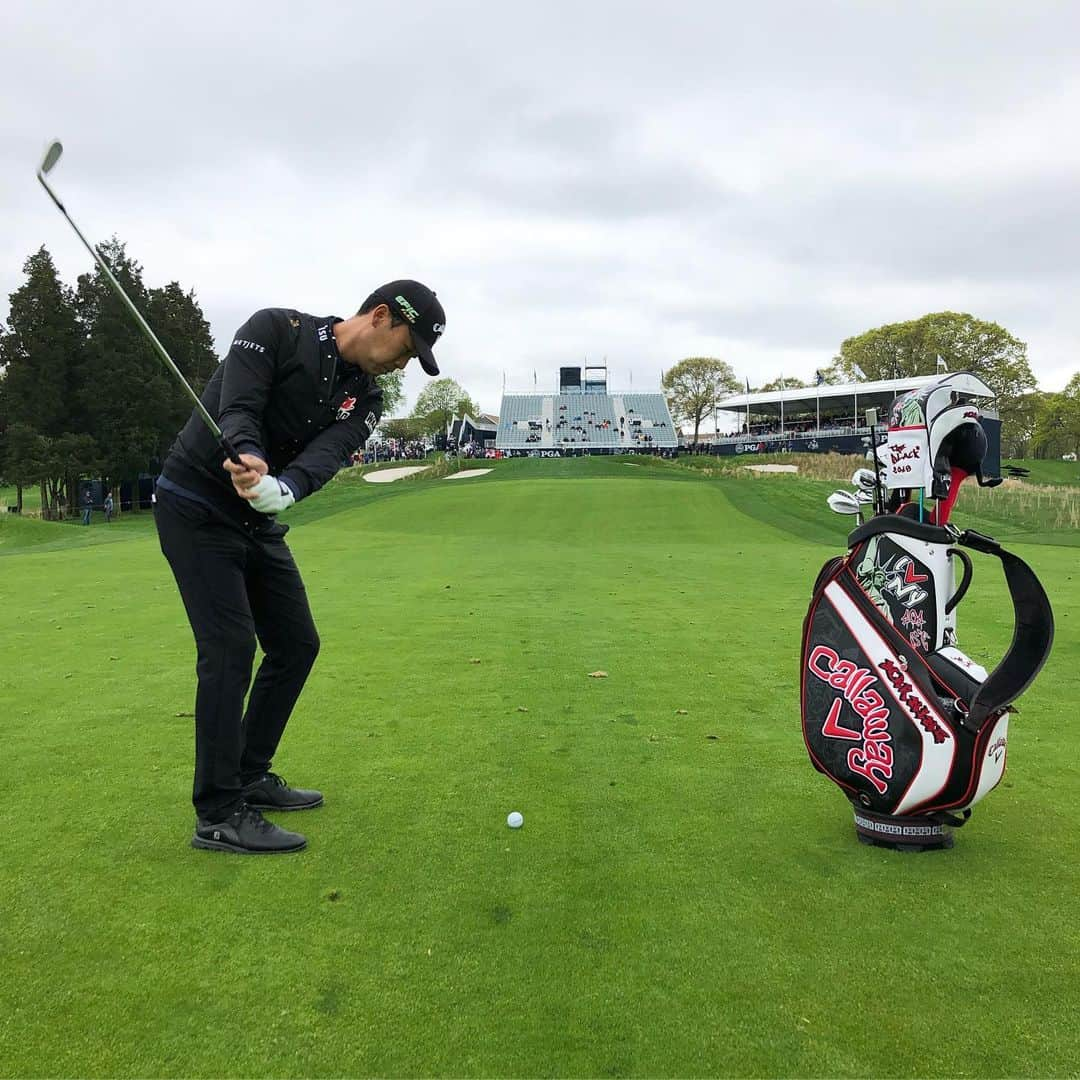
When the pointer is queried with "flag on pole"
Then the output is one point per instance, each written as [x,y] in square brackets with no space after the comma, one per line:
[819,378]
[859,373]
[941,365]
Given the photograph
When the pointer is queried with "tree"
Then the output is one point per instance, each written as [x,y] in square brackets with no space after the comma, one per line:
[25,460]
[405,428]
[783,383]
[180,326]
[1018,440]
[393,391]
[1057,422]
[694,386]
[899,350]
[134,405]
[1071,418]
[41,354]
[439,402]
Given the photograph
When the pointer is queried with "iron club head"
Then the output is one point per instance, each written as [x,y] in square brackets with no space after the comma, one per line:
[843,502]
[52,156]
[864,478]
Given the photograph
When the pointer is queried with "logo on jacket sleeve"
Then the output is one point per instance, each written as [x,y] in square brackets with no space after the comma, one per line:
[345,408]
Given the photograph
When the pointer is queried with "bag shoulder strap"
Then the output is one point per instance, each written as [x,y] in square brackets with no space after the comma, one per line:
[1033,633]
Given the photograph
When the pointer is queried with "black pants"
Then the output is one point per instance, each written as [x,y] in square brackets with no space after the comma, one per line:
[237,585]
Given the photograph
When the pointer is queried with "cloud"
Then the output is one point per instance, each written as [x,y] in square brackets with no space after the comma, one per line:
[642,183]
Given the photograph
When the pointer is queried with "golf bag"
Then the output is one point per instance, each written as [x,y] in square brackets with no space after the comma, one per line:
[911,729]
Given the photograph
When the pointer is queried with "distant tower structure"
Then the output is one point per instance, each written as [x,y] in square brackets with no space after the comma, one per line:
[595,379]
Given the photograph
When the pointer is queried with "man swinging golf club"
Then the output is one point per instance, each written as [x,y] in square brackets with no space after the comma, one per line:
[295,397]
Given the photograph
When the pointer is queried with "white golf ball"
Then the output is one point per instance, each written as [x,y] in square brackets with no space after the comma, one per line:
[515,820]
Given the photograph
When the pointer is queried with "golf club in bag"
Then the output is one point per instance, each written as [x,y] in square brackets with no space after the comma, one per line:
[911,729]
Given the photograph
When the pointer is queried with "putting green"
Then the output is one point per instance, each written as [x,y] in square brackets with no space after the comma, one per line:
[686,897]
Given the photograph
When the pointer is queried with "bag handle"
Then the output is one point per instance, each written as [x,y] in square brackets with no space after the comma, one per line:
[1033,634]
[957,596]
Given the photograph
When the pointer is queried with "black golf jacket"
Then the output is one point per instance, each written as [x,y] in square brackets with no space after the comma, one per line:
[284,393]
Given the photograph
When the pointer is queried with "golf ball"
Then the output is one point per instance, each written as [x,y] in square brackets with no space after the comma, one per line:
[515,820]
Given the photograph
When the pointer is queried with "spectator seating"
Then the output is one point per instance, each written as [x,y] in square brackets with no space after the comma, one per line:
[584,421]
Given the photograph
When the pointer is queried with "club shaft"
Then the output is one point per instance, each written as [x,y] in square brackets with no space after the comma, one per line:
[144,326]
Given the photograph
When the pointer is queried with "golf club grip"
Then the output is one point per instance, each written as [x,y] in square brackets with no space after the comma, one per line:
[230,450]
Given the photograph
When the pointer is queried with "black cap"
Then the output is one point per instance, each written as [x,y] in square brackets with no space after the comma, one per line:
[420,308]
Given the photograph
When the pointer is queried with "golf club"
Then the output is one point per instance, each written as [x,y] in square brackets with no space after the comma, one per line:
[866,486]
[48,162]
[864,479]
[844,502]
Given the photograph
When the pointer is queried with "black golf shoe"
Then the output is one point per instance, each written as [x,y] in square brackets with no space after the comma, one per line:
[270,792]
[246,832]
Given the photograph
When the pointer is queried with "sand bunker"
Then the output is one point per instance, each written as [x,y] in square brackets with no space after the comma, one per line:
[772,468]
[388,476]
[466,473]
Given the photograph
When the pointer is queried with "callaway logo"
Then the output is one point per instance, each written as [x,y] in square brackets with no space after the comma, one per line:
[996,750]
[345,408]
[407,309]
[240,343]
[873,759]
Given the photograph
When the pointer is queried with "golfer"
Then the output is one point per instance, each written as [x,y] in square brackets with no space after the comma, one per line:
[296,395]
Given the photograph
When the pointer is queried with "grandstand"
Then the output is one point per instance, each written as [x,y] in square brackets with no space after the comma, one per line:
[584,418]
[825,418]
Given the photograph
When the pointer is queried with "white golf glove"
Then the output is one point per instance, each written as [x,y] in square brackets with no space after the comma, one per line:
[272,496]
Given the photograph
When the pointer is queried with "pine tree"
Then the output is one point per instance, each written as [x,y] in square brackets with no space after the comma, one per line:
[125,390]
[41,354]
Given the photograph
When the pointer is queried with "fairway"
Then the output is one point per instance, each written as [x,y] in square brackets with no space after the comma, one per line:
[686,897]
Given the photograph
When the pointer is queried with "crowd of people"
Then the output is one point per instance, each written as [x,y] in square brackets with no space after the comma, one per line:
[391,450]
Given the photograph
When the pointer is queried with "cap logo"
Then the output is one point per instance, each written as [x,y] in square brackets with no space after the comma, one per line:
[438,327]
[407,309]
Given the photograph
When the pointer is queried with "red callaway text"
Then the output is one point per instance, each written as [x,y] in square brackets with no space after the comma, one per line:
[873,758]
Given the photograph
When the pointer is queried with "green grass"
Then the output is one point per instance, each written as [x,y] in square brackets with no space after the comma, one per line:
[1047,472]
[686,897]
[9,497]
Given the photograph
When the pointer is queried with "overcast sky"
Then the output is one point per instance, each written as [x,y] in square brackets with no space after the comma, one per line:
[632,181]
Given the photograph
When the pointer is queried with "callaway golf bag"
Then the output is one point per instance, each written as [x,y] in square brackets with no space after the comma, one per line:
[912,730]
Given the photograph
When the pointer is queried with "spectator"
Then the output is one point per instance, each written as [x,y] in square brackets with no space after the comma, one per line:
[88,507]
[108,507]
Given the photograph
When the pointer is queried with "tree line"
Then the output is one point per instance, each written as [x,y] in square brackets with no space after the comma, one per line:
[1034,423]
[83,394]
